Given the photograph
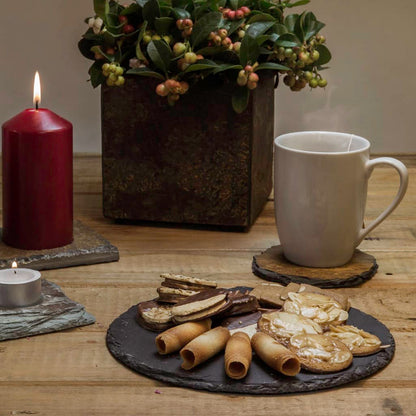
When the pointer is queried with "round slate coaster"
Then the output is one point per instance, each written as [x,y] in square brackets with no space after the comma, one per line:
[135,347]
[272,265]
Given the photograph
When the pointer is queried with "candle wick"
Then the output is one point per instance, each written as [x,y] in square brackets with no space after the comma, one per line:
[37,105]
[14,271]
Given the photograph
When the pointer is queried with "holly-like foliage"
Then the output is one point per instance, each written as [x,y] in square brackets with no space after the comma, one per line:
[183,41]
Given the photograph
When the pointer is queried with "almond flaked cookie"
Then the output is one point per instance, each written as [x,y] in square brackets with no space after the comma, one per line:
[320,308]
[335,294]
[171,295]
[282,325]
[319,353]
[151,315]
[358,341]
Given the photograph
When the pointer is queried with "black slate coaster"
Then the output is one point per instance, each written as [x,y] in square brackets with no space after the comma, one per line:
[135,347]
[273,266]
[88,247]
[55,312]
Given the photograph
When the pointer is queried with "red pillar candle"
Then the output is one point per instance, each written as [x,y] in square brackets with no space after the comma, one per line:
[37,180]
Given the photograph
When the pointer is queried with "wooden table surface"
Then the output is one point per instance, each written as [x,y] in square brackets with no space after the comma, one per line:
[72,373]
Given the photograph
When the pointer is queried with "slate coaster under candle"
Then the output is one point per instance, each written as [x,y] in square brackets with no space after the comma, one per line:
[88,247]
[55,312]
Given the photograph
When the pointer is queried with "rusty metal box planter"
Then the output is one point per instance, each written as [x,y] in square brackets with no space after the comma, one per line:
[197,162]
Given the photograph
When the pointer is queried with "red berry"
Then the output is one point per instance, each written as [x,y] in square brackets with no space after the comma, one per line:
[123,19]
[128,29]
[253,77]
[248,68]
[188,23]
[162,90]
[226,42]
[245,10]
[239,14]
[222,33]
[231,14]
[190,57]
[174,97]
[251,85]
[170,84]
[184,87]
[187,31]
[225,12]
[179,24]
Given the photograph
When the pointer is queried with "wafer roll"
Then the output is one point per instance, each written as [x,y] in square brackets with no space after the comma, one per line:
[238,355]
[204,347]
[175,338]
[275,355]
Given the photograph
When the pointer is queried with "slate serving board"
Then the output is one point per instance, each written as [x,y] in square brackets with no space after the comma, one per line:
[134,346]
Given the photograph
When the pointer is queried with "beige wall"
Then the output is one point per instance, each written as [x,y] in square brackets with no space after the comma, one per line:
[372,82]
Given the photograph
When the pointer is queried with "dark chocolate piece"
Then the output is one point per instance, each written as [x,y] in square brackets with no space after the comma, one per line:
[236,322]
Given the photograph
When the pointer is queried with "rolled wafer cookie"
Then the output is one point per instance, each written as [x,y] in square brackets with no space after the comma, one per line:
[175,338]
[238,355]
[275,355]
[204,347]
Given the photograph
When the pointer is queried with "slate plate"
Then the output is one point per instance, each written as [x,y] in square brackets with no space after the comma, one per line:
[134,346]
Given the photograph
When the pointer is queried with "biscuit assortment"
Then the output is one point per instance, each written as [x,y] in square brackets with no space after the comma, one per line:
[288,327]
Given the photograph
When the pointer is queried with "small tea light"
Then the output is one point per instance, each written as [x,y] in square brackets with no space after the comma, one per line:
[19,287]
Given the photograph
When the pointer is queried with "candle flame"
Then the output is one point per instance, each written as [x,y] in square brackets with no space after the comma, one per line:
[14,265]
[36,90]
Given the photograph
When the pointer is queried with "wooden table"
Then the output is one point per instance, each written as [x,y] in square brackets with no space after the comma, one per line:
[72,373]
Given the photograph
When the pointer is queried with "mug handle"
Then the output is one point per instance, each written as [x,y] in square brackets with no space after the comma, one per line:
[404,179]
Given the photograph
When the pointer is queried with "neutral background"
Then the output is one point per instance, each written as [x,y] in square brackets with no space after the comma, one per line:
[372,82]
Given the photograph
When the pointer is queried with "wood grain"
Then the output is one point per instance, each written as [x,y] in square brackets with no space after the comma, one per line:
[72,373]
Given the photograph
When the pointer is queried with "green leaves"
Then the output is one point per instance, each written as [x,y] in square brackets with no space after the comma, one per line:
[249,50]
[139,52]
[258,28]
[145,72]
[102,8]
[273,66]
[150,11]
[201,65]
[324,55]
[261,17]
[96,74]
[160,54]
[262,46]
[240,99]
[288,40]
[162,25]
[210,22]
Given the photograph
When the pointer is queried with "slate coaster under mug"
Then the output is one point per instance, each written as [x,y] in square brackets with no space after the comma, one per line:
[273,266]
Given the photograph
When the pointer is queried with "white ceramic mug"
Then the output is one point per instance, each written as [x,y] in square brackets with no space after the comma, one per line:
[320,191]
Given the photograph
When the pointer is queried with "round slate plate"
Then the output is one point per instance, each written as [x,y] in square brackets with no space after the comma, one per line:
[135,347]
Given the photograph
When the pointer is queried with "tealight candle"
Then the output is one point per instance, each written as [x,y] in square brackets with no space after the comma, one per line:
[19,287]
